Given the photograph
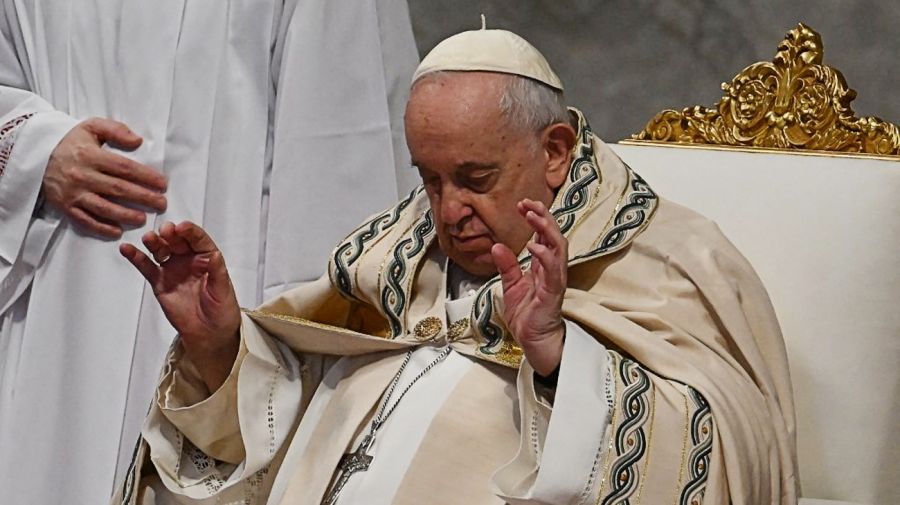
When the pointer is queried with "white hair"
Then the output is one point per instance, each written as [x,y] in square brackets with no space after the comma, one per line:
[532,105]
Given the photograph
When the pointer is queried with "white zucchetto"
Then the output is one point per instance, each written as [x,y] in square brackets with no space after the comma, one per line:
[489,51]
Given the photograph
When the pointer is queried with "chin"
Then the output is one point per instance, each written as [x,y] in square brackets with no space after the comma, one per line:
[481,265]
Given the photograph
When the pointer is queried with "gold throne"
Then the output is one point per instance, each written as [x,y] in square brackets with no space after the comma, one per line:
[808,192]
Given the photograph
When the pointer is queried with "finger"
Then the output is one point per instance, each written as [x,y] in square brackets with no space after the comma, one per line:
[125,191]
[109,211]
[140,261]
[549,274]
[176,242]
[158,247]
[91,224]
[218,283]
[536,207]
[507,265]
[122,167]
[198,239]
[542,227]
[114,132]
[535,266]
[544,224]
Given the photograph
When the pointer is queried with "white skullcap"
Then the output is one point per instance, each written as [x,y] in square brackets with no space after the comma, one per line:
[489,51]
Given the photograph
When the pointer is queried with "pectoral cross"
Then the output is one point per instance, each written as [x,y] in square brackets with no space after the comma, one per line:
[356,461]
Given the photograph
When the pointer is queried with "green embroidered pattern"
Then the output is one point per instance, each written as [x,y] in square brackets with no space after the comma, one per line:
[352,247]
[394,297]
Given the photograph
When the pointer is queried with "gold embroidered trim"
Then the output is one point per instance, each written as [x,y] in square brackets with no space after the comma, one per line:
[576,153]
[510,354]
[413,268]
[684,441]
[387,256]
[595,194]
[612,426]
[612,217]
[792,102]
[370,248]
[649,441]
[651,212]
[300,320]
[457,329]
[428,328]
[431,326]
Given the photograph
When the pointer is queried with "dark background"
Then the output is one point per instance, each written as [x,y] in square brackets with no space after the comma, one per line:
[624,61]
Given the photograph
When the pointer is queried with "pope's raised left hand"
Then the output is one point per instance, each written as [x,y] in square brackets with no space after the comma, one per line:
[533,298]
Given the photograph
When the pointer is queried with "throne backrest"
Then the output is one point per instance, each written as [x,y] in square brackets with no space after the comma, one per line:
[809,193]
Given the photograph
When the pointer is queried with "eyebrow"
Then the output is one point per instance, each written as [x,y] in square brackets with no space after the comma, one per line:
[466,165]
[474,165]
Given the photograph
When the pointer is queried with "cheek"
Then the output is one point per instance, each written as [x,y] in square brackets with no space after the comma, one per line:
[495,216]
[434,201]
[444,241]
[433,198]
[486,215]
[502,216]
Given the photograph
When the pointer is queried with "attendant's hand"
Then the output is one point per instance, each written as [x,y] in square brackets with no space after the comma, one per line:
[98,189]
[192,285]
[533,298]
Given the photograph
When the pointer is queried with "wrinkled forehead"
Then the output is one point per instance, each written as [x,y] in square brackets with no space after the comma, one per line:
[460,97]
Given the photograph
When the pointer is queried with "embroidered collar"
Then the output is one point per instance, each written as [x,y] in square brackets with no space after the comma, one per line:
[579,205]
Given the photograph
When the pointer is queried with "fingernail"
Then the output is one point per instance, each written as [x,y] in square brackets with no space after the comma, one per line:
[200,265]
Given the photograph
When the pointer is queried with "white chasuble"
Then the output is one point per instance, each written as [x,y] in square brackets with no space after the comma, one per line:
[663,394]
[263,114]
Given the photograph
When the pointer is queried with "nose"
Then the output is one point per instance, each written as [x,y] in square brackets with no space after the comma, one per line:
[454,207]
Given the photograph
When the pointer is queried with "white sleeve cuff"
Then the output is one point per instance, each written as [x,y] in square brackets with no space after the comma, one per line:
[579,422]
[28,150]
[239,418]
[561,465]
[209,421]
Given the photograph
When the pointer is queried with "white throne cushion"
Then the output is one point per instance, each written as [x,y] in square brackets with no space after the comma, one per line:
[823,233]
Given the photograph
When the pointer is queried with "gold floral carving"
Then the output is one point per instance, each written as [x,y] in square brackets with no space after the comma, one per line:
[793,102]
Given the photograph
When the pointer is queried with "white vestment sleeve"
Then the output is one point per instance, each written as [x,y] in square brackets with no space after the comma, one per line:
[209,421]
[202,449]
[562,446]
[30,131]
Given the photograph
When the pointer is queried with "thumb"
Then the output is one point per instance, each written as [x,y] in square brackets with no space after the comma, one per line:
[114,132]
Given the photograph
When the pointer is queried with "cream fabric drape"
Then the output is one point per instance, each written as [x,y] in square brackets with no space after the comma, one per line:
[690,397]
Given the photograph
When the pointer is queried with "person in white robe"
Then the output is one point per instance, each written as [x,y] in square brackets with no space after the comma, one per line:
[248,117]
[532,325]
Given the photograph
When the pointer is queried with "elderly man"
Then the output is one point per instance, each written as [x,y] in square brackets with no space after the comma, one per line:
[626,352]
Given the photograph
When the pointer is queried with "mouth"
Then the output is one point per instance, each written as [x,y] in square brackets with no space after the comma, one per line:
[471,243]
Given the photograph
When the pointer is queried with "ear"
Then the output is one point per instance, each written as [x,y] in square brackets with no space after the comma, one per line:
[558,142]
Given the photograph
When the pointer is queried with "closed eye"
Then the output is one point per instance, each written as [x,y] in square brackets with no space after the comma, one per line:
[480,181]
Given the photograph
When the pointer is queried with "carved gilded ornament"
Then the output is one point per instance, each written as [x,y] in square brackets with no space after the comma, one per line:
[793,102]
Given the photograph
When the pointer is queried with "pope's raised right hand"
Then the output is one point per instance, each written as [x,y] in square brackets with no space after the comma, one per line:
[193,288]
